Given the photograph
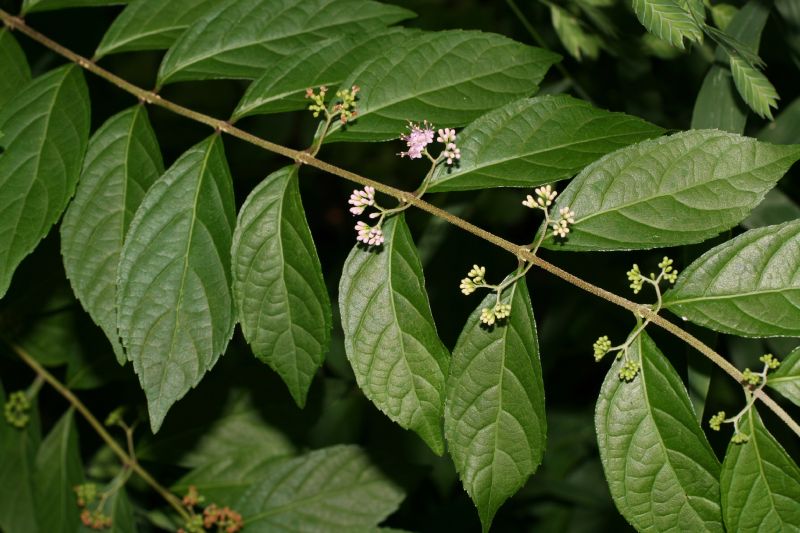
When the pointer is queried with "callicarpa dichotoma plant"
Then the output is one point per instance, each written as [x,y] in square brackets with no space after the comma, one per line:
[170,170]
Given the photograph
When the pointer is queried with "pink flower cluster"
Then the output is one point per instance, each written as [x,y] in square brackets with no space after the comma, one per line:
[417,139]
[370,235]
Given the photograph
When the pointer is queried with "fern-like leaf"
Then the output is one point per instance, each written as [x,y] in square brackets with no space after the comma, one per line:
[668,20]
[754,87]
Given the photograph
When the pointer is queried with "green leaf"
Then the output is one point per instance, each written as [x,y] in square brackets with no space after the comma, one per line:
[785,129]
[152,25]
[14,70]
[192,438]
[278,289]
[333,489]
[748,286]
[660,469]
[494,416]
[448,77]
[723,15]
[576,40]
[46,131]
[226,479]
[776,208]
[31,6]
[174,302]
[760,483]
[786,379]
[122,162]
[717,104]
[754,87]
[680,189]
[534,141]
[58,470]
[282,86]
[668,20]
[240,39]
[389,334]
[52,337]
[18,446]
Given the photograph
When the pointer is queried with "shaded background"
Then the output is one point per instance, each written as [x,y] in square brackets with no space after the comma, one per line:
[568,493]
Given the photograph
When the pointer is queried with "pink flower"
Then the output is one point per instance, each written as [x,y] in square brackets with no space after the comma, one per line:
[447,135]
[417,139]
[451,152]
[372,236]
[361,199]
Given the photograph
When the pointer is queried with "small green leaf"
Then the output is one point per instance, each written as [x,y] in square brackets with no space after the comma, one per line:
[668,20]
[723,14]
[18,447]
[494,416]
[31,6]
[748,286]
[389,334]
[675,190]
[660,469]
[717,104]
[786,379]
[152,25]
[754,87]
[226,479]
[282,86]
[122,162]
[278,289]
[46,131]
[573,36]
[174,302]
[448,77]
[240,39]
[760,483]
[14,70]
[333,489]
[535,141]
[58,470]
[785,129]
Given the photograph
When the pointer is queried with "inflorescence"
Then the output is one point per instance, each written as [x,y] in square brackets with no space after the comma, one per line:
[221,519]
[629,367]
[751,382]
[17,409]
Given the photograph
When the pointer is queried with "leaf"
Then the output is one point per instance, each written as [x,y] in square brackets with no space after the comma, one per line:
[748,286]
[122,162]
[174,302]
[494,416]
[785,129]
[333,489]
[575,39]
[31,6]
[193,438]
[675,190]
[58,470]
[448,77]
[225,480]
[535,141]
[46,131]
[723,14]
[389,335]
[51,336]
[14,70]
[668,20]
[278,289]
[786,379]
[760,482]
[754,87]
[18,446]
[282,86]
[717,104]
[659,466]
[774,209]
[151,25]
[240,39]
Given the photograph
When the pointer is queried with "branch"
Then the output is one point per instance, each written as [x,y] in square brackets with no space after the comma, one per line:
[127,460]
[521,252]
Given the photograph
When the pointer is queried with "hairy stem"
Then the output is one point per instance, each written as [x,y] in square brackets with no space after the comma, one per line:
[127,461]
[520,251]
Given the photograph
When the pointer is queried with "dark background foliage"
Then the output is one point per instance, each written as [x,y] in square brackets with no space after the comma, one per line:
[568,493]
